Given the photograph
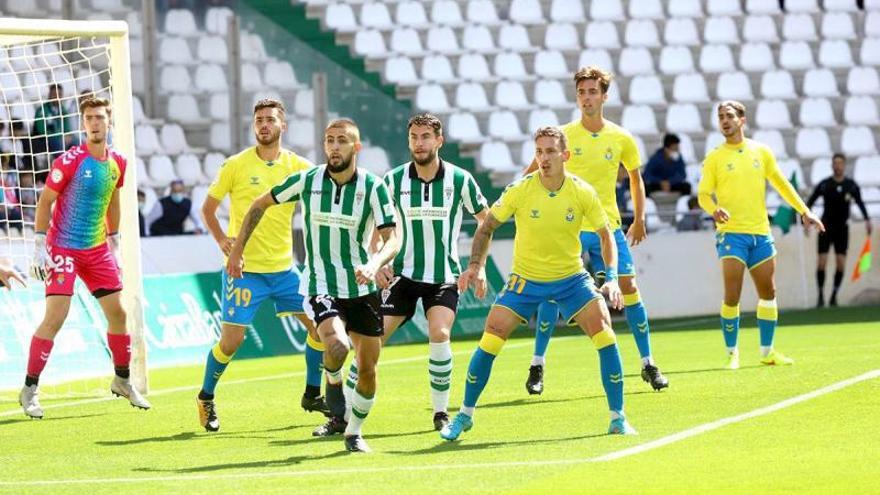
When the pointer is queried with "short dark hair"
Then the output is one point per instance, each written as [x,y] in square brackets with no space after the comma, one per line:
[594,72]
[94,102]
[428,120]
[838,155]
[17,125]
[269,103]
[670,139]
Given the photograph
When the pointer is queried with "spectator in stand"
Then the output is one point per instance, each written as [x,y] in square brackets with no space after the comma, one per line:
[27,196]
[22,148]
[169,213]
[142,202]
[10,212]
[693,218]
[665,170]
[52,130]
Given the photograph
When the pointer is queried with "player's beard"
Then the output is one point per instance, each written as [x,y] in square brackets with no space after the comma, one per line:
[343,165]
[273,138]
[432,155]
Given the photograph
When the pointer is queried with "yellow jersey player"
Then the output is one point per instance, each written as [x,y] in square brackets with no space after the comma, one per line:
[270,272]
[736,172]
[548,207]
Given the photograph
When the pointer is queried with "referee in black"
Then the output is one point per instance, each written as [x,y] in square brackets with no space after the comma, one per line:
[837,192]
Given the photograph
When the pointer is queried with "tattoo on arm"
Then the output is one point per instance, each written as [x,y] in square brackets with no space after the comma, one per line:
[482,238]
[251,220]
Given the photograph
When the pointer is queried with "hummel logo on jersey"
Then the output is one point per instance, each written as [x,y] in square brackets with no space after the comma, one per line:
[88,174]
[471,378]
[255,181]
[730,167]
[536,214]
[578,152]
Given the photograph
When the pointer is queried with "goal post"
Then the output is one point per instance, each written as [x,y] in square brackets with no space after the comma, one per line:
[86,57]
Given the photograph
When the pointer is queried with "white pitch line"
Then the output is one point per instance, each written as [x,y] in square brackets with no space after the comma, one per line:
[195,388]
[654,444]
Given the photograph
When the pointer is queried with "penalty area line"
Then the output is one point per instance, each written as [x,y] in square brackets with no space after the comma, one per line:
[638,449]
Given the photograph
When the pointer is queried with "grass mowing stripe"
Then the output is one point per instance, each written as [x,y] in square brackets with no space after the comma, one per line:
[195,388]
[654,444]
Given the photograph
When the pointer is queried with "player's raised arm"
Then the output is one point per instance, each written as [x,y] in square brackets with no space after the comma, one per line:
[235,263]
[791,196]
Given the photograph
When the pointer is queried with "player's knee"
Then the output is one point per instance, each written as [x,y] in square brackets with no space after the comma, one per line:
[628,285]
[336,350]
[367,377]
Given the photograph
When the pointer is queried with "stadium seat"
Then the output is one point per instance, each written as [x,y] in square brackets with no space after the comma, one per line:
[184,108]
[683,117]
[646,9]
[606,10]
[135,51]
[756,57]
[639,119]
[863,81]
[798,27]
[838,26]
[723,8]
[473,67]
[541,117]
[872,24]
[562,36]
[601,34]
[510,65]
[734,86]
[773,139]
[146,140]
[835,54]
[713,139]
[690,88]
[180,22]
[219,136]
[527,151]
[437,68]
[686,146]
[478,38]
[441,39]
[301,134]
[820,170]
[504,125]
[596,56]
[511,94]
[551,64]
[641,32]
[550,94]
[681,32]
[716,58]
[685,8]
[646,90]
[406,41]
[161,170]
[212,163]
[304,103]
[858,141]
[375,15]
[566,11]
[463,127]
[400,70]
[189,169]
[135,26]
[867,171]
[526,12]
[340,17]
[144,181]
[614,99]
[411,13]
[816,112]
[756,7]
[471,96]
[495,156]
[210,77]
[870,51]
[216,20]
[676,60]
[369,43]
[840,5]
[374,159]
[174,50]
[721,30]
[137,110]
[635,61]
[173,139]
[446,13]
[760,28]
[812,142]
[796,55]
[212,49]
[280,75]
[805,6]
[482,12]
[820,83]
[514,37]
[861,110]
[432,98]
[252,49]
[773,114]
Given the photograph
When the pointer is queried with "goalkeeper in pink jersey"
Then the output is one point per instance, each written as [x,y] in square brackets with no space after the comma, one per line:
[81,241]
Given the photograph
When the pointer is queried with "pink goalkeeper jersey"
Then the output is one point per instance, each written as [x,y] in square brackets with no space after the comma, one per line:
[84,185]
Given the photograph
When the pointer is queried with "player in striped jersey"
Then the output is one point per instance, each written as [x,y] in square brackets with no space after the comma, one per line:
[736,172]
[341,204]
[429,195]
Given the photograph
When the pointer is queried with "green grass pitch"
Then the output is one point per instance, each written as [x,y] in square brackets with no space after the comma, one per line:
[519,444]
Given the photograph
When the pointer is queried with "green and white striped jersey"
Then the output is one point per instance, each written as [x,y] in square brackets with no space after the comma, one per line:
[338,224]
[430,213]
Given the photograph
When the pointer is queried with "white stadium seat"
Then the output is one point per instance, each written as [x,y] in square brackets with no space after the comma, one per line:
[541,117]
[760,28]
[734,86]
[406,41]
[812,142]
[635,61]
[412,14]
[447,13]
[863,81]
[304,103]
[549,93]
[723,7]
[340,17]
[482,12]
[721,30]
[690,88]
[807,6]
[184,108]
[173,139]
[463,127]
[799,27]
[716,58]
[869,54]
[835,54]
[219,136]
[474,67]
[514,37]
[676,60]
[526,12]
[778,84]
[212,49]
[471,96]
[375,15]
[400,70]
[162,170]
[872,24]
[793,167]
[683,117]
[432,98]
[773,139]
[681,32]
[551,64]
[840,6]
[646,90]
[210,77]
[646,9]
[816,112]
[216,20]
[685,8]
[838,26]
[511,94]
[607,10]
[437,68]
[173,79]
[442,39]
[374,159]
[858,141]
[567,11]
[795,55]
[180,22]
[189,169]
[867,171]
[510,65]
[596,56]
[478,38]
[561,36]
[773,114]
[601,34]
[146,140]
[495,156]
[861,110]
[641,32]
[212,163]
[756,57]
[820,170]
[174,50]
[280,75]
[369,43]
[639,119]
[505,126]
[762,7]
[820,83]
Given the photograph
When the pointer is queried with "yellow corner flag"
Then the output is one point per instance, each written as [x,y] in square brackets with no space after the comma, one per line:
[864,262]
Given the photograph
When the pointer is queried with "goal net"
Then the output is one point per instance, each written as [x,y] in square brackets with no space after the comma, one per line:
[46,66]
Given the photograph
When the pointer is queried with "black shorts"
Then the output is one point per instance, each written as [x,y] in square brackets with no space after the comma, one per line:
[838,237]
[400,299]
[360,314]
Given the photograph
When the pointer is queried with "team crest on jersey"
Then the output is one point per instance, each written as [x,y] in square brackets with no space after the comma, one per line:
[569,217]
[255,181]
[536,214]
[609,154]
[59,280]
[359,197]
[756,164]
[448,193]
[57,175]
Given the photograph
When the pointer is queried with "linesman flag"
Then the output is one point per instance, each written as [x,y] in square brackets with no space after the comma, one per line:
[864,262]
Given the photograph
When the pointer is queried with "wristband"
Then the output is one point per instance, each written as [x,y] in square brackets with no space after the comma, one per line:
[610,274]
